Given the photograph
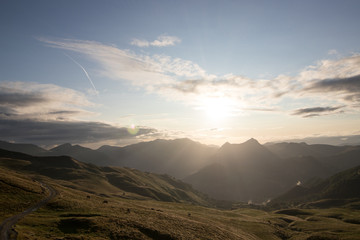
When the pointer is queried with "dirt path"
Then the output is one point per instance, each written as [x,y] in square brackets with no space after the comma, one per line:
[6,231]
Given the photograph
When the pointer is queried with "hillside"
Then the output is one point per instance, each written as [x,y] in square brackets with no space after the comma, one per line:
[81,153]
[245,172]
[290,150]
[30,149]
[114,181]
[251,172]
[337,157]
[337,190]
[76,214]
[178,158]
[237,172]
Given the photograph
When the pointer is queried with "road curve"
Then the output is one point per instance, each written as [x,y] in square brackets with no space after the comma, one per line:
[7,225]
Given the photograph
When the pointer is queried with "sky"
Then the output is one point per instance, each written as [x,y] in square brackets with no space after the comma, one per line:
[120,72]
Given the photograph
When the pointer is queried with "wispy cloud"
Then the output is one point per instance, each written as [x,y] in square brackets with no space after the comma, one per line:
[161,41]
[328,82]
[57,132]
[316,111]
[140,70]
[19,100]
[347,88]
[49,114]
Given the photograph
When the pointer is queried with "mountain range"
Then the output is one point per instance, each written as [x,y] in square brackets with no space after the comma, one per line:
[338,190]
[103,181]
[178,158]
[248,172]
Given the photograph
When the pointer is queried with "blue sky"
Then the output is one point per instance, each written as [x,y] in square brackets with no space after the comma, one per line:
[213,71]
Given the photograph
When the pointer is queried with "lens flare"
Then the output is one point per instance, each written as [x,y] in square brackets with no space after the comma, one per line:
[133,130]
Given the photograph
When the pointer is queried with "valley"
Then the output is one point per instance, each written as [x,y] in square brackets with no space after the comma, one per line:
[111,202]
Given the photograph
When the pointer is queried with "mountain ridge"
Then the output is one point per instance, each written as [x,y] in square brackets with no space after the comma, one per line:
[225,172]
[336,190]
[108,180]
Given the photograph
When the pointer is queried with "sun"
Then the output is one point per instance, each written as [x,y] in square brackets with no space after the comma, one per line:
[217,109]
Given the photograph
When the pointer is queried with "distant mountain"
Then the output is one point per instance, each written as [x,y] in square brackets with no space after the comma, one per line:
[289,150]
[114,181]
[348,140]
[76,151]
[245,172]
[337,190]
[81,153]
[338,158]
[178,158]
[30,149]
[241,172]
[348,158]
[251,172]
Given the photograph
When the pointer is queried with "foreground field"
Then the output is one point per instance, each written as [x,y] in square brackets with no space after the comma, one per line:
[118,203]
[74,214]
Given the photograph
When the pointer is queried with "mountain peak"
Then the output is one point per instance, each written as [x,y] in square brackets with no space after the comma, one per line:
[62,147]
[252,141]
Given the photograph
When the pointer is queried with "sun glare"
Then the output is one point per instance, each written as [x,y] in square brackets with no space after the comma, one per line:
[217,109]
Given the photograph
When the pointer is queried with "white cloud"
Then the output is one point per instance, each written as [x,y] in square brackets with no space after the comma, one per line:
[140,70]
[161,41]
[49,114]
[165,40]
[20,100]
[329,69]
[327,83]
[140,43]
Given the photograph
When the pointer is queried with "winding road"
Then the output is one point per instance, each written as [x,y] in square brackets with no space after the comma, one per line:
[6,227]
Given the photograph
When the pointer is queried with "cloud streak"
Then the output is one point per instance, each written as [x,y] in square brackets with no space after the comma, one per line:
[86,73]
[161,41]
[328,82]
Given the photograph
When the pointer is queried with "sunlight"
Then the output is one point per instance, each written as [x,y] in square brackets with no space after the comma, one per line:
[217,109]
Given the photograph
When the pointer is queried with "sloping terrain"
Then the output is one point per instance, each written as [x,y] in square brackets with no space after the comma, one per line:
[178,158]
[113,181]
[75,214]
[80,153]
[240,172]
[30,149]
[338,158]
[338,190]
[250,172]
[291,150]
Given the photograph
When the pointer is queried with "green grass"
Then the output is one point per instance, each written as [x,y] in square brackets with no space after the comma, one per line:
[17,193]
[79,212]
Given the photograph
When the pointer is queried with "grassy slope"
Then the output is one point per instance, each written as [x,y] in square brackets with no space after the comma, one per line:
[108,181]
[72,215]
[17,192]
[338,190]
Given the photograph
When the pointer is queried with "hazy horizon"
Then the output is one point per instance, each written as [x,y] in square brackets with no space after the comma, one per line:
[123,72]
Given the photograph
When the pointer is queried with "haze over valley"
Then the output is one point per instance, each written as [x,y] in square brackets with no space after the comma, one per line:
[235,176]
[247,172]
[180,119]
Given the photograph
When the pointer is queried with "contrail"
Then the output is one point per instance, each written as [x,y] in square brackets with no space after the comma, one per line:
[87,75]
